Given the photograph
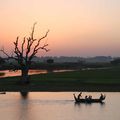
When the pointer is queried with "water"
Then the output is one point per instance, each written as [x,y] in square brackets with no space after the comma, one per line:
[57,106]
[7,73]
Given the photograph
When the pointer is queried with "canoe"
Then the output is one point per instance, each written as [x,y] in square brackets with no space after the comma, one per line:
[81,100]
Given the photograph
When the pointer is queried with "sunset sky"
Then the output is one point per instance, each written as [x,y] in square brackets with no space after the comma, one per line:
[77,27]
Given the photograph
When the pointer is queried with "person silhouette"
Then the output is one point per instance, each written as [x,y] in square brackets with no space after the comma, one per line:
[79,95]
[101,96]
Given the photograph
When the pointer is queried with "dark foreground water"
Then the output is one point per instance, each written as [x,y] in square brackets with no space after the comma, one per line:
[57,106]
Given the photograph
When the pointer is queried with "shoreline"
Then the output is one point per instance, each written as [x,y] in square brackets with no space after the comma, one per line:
[82,88]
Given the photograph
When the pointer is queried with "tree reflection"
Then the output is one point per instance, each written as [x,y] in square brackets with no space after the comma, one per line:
[23,107]
[24,94]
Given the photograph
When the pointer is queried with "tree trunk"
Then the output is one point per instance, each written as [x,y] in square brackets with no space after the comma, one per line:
[25,76]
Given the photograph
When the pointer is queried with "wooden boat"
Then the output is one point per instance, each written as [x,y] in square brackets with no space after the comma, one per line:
[87,100]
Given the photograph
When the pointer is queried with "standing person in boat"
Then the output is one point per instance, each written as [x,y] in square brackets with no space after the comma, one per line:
[86,97]
[90,97]
[101,96]
[79,95]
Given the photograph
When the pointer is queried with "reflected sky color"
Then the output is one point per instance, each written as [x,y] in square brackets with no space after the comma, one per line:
[7,73]
[88,27]
[57,106]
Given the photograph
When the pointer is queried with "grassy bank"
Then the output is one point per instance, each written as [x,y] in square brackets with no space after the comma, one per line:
[87,80]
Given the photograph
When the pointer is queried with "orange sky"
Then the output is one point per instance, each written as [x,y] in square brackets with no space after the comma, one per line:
[77,27]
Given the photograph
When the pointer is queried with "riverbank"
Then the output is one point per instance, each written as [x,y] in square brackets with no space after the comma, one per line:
[107,80]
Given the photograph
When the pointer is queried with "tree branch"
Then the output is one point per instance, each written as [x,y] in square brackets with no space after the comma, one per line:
[9,57]
[38,43]
[2,50]
[23,45]
[33,29]
[36,48]
[24,58]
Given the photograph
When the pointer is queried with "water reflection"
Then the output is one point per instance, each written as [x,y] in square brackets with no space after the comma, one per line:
[56,106]
[23,107]
[7,73]
[24,94]
[102,104]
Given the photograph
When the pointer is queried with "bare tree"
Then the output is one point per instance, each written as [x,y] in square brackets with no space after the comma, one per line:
[25,52]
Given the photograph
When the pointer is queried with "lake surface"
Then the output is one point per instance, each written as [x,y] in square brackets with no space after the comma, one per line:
[7,73]
[57,106]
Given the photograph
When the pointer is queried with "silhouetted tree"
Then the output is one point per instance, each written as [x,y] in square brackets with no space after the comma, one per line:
[25,52]
[115,61]
[50,61]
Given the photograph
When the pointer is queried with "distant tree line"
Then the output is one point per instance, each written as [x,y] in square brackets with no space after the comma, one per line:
[115,61]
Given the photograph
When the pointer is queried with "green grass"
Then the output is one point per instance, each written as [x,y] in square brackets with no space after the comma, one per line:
[87,80]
